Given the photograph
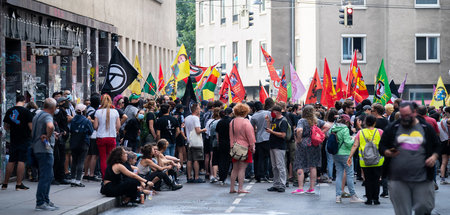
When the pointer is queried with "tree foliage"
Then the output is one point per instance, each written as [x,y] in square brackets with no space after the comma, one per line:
[186,26]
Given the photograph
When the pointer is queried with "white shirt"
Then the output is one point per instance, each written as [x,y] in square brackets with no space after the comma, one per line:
[443,129]
[190,123]
[101,116]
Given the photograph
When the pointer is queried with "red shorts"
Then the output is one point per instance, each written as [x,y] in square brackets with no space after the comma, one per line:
[249,158]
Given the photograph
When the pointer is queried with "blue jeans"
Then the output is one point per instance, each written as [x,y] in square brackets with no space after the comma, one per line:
[329,164]
[45,161]
[341,164]
[170,150]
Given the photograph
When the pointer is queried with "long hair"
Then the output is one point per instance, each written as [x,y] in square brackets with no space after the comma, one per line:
[115,156]
[106,104]
[308,114]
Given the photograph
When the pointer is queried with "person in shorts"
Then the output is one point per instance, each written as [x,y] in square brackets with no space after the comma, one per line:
[194,155]
[91,159]
[18,122]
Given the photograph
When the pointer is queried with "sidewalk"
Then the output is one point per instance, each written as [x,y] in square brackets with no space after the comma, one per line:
[70,200]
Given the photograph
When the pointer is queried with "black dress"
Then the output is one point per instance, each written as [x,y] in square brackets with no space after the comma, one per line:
[118,185]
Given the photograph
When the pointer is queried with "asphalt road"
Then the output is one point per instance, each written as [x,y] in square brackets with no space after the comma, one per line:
[214,199]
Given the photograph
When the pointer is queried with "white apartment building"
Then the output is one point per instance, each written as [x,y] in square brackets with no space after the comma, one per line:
[410,35]
[221,37]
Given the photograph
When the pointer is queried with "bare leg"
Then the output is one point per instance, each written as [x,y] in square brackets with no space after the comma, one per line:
[313,177]
[180,155]
[67,162]
[207,170]
[241,174]
[189,169]
[9,170]
[444,165]
[301,178]
[234,175]
[20,172]
[196,169]
[214,171]
[92,164]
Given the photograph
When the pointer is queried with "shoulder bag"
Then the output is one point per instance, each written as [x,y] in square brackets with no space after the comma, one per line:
[238,152]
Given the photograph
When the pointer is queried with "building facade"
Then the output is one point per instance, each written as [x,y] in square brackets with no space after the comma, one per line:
[224,37]
[410,36]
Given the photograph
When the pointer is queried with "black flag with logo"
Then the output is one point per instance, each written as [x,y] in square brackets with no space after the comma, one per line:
[120,74]
[394,90]
[189,97]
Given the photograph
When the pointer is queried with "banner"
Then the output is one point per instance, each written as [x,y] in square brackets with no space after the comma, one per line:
[236,84]
[382,89]
[328,96]
[315,85]
[269,61]
[440,94]
[282,90]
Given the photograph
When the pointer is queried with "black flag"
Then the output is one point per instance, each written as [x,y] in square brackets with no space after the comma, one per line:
[189,97]
[394,90]
[120,74]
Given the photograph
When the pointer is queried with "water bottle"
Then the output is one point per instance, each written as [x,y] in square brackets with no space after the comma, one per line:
[150,196]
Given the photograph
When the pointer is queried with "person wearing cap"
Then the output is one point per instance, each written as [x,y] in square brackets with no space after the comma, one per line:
[367,109]
[345,142]
[132,108]
[80,130]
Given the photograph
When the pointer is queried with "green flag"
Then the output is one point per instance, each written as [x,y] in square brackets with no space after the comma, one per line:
[150,85]
[289,90]
[423,100]
[382,89]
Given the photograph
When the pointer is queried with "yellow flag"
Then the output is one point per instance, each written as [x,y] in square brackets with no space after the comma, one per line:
[440,94]
[180,65]
[137,65]
[170,87]
[230,98]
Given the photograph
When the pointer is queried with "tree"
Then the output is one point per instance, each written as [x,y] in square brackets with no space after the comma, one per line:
[186,26]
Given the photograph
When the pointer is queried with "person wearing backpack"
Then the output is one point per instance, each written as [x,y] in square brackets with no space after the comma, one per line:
[370,160]
[307,155]
[345,143]
[80,130]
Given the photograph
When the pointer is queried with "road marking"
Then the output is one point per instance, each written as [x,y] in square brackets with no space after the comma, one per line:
[242,194]
[236,201]
[248,187]
[230,209]
[252,183]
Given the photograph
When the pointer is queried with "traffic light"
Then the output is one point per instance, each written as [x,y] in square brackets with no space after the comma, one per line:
[250,19]
[346,18]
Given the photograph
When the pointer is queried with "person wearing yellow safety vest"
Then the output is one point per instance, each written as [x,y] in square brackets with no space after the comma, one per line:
[372,171]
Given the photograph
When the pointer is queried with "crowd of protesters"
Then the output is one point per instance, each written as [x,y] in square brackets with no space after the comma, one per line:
[137,147]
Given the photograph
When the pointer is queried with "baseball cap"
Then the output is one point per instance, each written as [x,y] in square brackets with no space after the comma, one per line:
[80,107]
[61,99]
[134,96]
[367,107]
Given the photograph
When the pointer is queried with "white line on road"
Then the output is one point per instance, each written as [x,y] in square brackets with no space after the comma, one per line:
[236,201]
[252,182]
[230,209]
[242,194]
[248,187]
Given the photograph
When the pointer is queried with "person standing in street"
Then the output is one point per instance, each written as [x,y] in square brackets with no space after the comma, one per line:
[262,152]
[43,142]
[277,128]
[223,137]
[242,133]
[167,127]
[413,147]
[18,122]
[195,155]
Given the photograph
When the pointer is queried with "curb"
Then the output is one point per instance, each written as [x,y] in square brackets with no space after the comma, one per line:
[95,207]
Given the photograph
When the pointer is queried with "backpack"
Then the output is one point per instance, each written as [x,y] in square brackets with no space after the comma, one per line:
[288,131]
[317,136]
[370,155]
[332,144]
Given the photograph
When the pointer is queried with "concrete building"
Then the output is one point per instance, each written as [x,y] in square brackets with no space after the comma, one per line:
[410,36]
[50,45]
[223,36]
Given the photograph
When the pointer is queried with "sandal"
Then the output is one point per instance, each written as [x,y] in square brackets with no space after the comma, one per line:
[243,191]
[298,191]
[234,191]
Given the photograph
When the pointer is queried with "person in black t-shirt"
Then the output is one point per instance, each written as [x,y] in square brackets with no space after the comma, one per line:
[167,127]
[223,135]
[132,130]
[18,122]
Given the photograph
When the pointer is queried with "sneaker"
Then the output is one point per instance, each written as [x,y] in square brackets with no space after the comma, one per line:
[281,190]
[222,183]
[176,187]
[77,185]
[287,184]
[444,182]
[355,199]
[345,195]
[93,178]
[272,189]
[85,177]
[22,187]
[4,186]
[436,187]
[213,180]
[298,191]
[190,180]
[384,195]
[338,199]
[310,191]
[45,207]
[199,181]
[376,202]
[51,204]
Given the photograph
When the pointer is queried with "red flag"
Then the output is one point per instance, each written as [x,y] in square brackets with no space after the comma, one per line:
[262,93]
[236,84]
[361,88]
[352,76]
[224,90]
[161,82]
[340,87]
[282,90]
[328,93]
[315,85]
[270,62]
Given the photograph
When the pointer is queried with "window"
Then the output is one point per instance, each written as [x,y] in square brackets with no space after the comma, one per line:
[211,56]
[416,94]
[211,11]
[248,49]
[200,56]
[297,46]
[262,7]
[354,2]
[222,12]
[200,12]
[262,60]
[427,48]
[427,3]
[352,43]
[235,53]
[223,55]
[235,11]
